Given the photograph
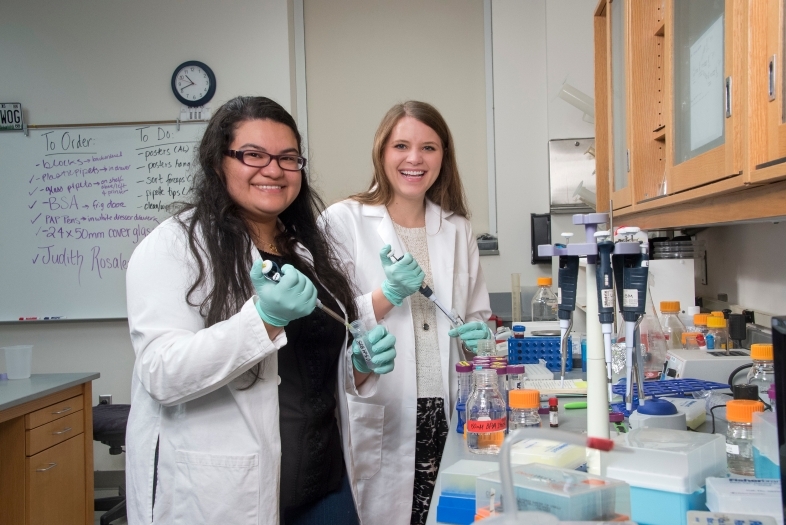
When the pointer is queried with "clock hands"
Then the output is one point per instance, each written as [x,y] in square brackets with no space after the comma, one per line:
[184,87]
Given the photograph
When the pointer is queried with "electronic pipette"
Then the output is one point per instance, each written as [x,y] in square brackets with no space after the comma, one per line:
[272,272]
[567,282]
[605,283]
[630,274]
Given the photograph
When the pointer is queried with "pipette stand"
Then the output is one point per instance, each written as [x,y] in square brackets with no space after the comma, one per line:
[597,391]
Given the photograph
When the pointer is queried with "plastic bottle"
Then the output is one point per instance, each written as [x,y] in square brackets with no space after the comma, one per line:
[486,414]
[515,377]
[487,347]
[553,412]
[699,324]
[524,409]
[518,331]
[671,324]
[717,337]
[464,373]
[762,373]
[544,303]
[502,379]
[739,435]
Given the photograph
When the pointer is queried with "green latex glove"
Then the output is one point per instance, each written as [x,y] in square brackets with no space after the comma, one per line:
[383,352]
[471,333]
[404,277]
[293,297]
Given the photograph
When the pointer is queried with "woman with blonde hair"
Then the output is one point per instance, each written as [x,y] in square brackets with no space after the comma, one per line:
[414,216]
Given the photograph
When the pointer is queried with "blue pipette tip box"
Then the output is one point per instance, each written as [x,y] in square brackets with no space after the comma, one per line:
[529,350]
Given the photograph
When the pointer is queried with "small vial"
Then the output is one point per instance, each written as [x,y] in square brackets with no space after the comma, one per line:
[524,409]
[360,334]
[762,373]
[464,373]
[486,414]
[515,377]
[717,337]
[553,412]
[739,435]
[518,331]
[671,323]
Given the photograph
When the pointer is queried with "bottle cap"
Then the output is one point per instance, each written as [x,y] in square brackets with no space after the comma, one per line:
[524,398]
[716,314]
[716,322]
[463,367]
[670,307]
[761,352]
[693,310]
[657,407]
[741,410]
[616,417]
[750,392]
[519,328]
[515,369]
[771,393]
[501,369]
[700,319]
[553,401]
[544,281]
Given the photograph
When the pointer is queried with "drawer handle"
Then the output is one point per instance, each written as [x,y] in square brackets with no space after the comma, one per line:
[66,409]
[50,467]
[66,429]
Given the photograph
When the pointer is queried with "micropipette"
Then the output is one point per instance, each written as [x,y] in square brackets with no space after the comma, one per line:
[605,284]
[567,283]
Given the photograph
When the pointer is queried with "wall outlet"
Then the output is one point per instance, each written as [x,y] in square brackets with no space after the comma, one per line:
[105,399]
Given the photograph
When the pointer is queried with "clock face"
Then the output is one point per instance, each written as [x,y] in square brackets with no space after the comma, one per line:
[193,83]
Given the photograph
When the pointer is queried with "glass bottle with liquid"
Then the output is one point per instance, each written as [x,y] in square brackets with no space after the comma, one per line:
[739,435]
[486,414]
[717,337]
[524,406]
[464,373]
[671,323]
[762,373]
[544,303]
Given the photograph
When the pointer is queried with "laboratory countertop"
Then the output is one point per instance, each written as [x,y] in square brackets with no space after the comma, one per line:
[15,392]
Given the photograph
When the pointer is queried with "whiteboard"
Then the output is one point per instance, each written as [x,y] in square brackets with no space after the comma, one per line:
[74,204]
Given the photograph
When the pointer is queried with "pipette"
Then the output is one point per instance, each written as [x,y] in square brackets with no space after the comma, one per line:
[272,272]
[605,283]
[567,282]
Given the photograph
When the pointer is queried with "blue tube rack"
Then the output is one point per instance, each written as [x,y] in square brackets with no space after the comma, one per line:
[529,350]
[670,388]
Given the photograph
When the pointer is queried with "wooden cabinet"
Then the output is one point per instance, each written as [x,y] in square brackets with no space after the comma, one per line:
[46,459]
[704,109]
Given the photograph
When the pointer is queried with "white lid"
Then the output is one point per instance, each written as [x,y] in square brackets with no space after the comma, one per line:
[745,495]
[693,310]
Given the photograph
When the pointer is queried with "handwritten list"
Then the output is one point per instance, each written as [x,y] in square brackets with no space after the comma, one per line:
[77,202]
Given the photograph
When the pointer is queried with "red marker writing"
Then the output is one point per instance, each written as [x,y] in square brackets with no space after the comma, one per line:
[28,318]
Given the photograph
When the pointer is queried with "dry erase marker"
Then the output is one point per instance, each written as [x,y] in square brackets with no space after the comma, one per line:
[28,318]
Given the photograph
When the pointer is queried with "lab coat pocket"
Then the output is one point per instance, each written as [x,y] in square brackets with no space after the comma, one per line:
[211,489]
[365,428]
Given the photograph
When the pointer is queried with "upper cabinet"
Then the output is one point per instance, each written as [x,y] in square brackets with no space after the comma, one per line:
[690,113]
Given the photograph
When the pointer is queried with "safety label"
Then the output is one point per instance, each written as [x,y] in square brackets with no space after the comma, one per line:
[490,425]
[630,298]
[607,298]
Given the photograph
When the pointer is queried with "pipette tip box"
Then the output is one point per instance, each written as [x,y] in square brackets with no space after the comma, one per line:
[567,494]
[745,496]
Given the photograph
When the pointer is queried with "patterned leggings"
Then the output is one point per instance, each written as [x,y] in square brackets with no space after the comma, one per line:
[432,430]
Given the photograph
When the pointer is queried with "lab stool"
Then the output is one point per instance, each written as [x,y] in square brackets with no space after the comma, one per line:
[109,427]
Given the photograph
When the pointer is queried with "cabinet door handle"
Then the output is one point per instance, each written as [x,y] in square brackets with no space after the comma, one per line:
[50,467]
[728,97]
[771,73]
[66,409]
[66,429]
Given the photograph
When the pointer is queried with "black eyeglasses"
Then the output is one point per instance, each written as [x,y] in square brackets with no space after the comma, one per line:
[259,159]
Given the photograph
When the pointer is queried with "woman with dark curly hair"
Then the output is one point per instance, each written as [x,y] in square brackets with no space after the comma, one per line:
[238,378]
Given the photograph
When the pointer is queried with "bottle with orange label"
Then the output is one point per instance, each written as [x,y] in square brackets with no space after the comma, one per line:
[487,418]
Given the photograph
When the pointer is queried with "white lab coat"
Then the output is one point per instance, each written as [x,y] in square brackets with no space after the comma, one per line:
[219,452]
[382,426]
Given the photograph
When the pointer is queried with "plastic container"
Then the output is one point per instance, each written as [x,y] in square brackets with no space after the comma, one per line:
[717,337]
[502,379]
[739,435]
[762,373]
[545,452]
[745,496]
[766,461]
[487,347]
[516,376]
[569,495]
[18,361]
[544,303]
[464,373]
[459,478]
[524,406]
[666,472]
[518,331]
[360,334]
[486,414]
[671,324]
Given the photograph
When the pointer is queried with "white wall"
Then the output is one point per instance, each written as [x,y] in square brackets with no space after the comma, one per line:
[746,261]
[77,61]
[538,45]
[364,56]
